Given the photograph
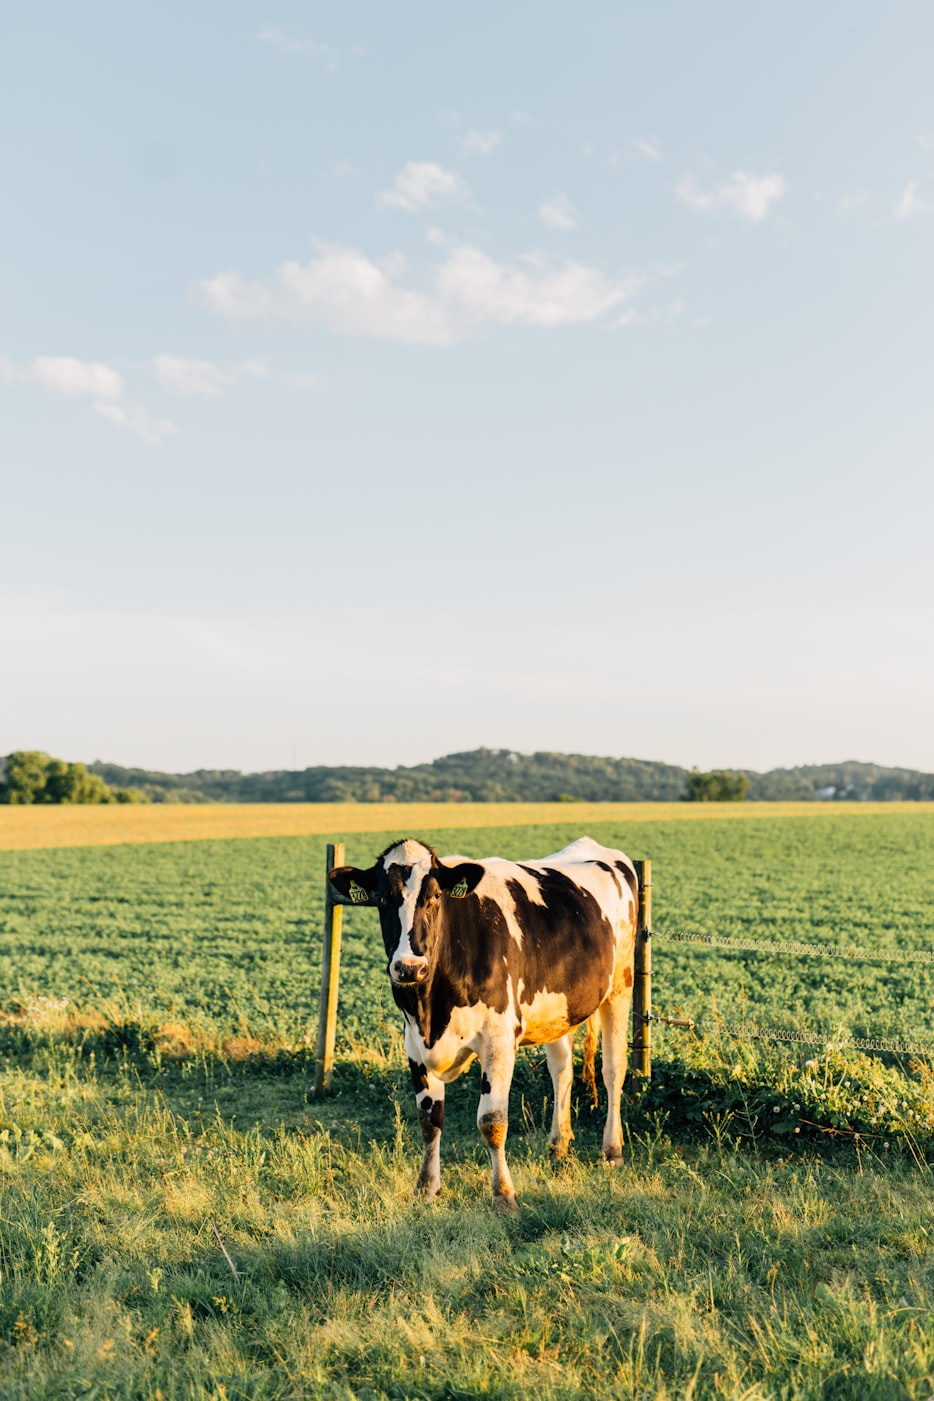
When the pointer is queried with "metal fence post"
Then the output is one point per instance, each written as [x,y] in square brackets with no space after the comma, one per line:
[330,976]
[642,976]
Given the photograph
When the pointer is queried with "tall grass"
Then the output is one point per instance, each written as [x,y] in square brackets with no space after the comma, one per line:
[204,1229]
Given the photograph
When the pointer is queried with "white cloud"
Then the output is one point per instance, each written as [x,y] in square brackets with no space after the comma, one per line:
[481,143]
[650,150]
[137,419]
[62,374]
[343,290]
[306,380]
[558,212]
[103,386]
[287,44]
[752,196]
[203,379]
[230,295]
[478,289]
[853,201]
[420,185]
[198,378]
[749,196]
[911,203]
[256,369]
[340,289]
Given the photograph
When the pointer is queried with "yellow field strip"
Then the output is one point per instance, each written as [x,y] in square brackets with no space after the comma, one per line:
[27,828]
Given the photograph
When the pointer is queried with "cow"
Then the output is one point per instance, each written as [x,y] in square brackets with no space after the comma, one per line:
[485,956]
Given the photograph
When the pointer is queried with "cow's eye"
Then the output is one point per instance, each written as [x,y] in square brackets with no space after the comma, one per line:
[433,899]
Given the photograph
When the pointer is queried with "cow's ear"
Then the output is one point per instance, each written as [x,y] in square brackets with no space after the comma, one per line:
[458,881]
[359,887]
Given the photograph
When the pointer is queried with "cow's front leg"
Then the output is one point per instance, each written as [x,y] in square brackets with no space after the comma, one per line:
[429,1097]
[497,1060]
[560,1057]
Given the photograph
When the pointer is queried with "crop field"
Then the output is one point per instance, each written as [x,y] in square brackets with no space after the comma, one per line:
[25,828]
[180,1218]
[215,933]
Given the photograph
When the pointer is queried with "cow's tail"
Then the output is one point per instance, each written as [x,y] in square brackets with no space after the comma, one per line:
[590,1056]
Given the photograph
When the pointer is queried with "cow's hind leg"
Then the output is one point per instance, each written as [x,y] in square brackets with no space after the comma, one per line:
[497,1061]
[429,1097]
[614,1023]
[560,1057]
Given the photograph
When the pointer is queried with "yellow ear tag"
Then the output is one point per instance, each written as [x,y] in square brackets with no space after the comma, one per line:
[358,895]
[459,890]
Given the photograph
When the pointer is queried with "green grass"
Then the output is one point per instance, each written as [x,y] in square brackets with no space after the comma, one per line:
[731,1256]
[702,1269]
[222,933]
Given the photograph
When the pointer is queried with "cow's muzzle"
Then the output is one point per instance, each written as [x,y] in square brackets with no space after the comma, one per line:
[406,971]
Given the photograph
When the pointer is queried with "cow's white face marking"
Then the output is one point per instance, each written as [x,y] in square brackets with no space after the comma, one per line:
[407,853]
[414,854]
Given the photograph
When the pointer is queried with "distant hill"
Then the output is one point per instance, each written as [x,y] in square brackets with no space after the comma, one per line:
[502,775]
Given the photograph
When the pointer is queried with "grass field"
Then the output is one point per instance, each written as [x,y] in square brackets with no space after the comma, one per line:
[178,1218]
[219,934]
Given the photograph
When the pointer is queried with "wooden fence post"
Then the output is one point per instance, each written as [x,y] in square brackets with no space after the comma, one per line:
[330,976]
[642,976]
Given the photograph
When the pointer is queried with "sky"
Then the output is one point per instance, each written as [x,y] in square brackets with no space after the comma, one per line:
[379,382]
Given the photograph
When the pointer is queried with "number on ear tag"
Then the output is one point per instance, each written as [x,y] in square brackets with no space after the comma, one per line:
[358,895]
[459,890]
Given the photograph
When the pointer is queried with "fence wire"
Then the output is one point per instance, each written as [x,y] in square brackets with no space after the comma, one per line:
[750,1031]
[744,945]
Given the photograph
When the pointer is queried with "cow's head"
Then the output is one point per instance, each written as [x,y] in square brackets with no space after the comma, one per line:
[410,887]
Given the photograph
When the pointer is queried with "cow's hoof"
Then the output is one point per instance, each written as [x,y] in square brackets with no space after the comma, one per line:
[506,1203]
[613,1160]
[427,1191]
[558,1151]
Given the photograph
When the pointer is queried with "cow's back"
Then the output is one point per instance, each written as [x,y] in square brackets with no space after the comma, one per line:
[555,935]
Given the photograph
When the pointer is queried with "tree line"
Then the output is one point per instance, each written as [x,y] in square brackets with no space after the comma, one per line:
[504,775]
[478,775]
[29,776]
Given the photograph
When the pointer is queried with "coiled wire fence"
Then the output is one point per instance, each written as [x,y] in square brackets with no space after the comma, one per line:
[750,1031]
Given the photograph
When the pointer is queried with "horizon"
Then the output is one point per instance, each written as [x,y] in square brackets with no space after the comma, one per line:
[525,754]
[372,383]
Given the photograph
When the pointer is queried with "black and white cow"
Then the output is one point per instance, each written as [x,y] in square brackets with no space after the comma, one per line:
[485,956]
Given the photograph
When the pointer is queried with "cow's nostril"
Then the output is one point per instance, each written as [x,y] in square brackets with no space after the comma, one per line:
[409,970]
